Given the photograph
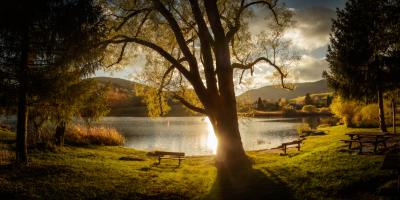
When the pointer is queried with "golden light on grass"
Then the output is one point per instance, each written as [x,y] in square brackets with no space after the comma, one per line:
[212,141]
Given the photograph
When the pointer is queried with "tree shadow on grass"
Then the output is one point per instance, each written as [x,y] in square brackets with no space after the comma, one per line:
[249,184]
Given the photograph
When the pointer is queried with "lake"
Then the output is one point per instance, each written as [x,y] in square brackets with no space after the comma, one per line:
[195,135]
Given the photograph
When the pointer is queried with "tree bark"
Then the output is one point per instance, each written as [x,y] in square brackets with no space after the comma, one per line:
[231,156]
[22,126]
[382,123]
[60,133]
[394,115]
[22,114]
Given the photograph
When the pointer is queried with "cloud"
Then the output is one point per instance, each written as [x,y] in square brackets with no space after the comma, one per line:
[309,69]
[312,28]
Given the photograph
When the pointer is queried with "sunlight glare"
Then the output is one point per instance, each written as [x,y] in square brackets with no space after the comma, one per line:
[212,141]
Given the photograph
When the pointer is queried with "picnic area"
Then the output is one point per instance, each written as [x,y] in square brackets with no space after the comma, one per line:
[323,168]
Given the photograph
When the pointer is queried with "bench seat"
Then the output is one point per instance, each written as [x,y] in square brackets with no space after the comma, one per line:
[170,155]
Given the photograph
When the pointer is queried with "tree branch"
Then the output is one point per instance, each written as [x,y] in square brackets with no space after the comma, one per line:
[282,74]
[271,5]
[189,105]
[125,39]
[129,16]
[180,39]
[121,54]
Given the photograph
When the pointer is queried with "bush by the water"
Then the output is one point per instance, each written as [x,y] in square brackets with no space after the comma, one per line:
[81,135]
[309,108]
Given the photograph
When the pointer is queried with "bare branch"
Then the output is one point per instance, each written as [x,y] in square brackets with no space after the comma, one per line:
[125,39]
[121,54]
[180,39]
[250,66]
[130,16]
[270,4]
[189,105]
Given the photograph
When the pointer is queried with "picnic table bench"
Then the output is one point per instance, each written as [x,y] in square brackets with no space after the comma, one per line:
[295,143]
[362,138]
[170,155]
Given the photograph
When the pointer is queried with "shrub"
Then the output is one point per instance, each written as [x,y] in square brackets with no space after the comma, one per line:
[309,108]
[325,110]
[368,116]
[345,110]
[289,110]
[80,135]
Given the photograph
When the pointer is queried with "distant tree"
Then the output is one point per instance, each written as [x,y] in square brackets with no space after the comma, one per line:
[94,106]
[282,102]
[48,38]
[308,100]
[260,104]
[364,51]
[329,99]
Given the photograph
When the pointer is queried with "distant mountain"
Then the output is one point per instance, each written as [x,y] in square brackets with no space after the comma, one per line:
[274,92]
[124,102]
[118,82]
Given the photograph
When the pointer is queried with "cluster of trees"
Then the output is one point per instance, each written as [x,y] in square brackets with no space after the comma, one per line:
[364,52]
[267,105]
[45,52]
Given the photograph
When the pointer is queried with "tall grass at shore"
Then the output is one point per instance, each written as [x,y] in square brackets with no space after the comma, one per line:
[82,135]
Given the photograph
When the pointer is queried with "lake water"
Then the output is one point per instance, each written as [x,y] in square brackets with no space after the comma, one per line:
[195,135]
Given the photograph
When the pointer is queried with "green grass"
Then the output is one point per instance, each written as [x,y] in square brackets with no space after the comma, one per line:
[321,170]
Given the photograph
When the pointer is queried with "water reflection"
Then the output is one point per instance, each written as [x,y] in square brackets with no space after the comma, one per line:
[195,135]
[212,141]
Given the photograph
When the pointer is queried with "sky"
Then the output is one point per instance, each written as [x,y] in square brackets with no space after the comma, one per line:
[309,36]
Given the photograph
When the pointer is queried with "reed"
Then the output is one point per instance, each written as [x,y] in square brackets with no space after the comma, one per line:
[81,135]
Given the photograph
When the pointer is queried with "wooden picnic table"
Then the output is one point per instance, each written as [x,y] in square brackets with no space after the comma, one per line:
[361,138]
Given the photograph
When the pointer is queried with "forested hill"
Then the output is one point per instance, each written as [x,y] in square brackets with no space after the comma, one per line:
[274,92]
[124,102]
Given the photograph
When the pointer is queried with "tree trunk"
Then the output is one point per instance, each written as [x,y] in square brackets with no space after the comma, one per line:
[22,126]
[60,132]
[394,115]
[382,123]
[22,115]
[231,156]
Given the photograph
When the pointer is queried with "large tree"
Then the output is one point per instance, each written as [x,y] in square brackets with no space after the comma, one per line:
[364,50]
[194,50]
[39,41]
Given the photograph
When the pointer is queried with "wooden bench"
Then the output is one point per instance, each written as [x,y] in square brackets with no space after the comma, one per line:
[170,155]
[295,143]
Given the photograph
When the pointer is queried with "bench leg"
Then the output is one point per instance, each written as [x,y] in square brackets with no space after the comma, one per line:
[284,149]
[350,145]
[179,164]
[298,146]
[159,159]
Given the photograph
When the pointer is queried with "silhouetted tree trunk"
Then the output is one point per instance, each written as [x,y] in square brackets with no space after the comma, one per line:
[382,123]
[60,133]
[22,115]
[394,115]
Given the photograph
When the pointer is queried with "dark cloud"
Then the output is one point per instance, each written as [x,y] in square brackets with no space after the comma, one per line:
[312,27]
[300,4]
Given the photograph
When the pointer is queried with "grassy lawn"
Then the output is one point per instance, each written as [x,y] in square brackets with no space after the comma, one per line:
[323,169]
